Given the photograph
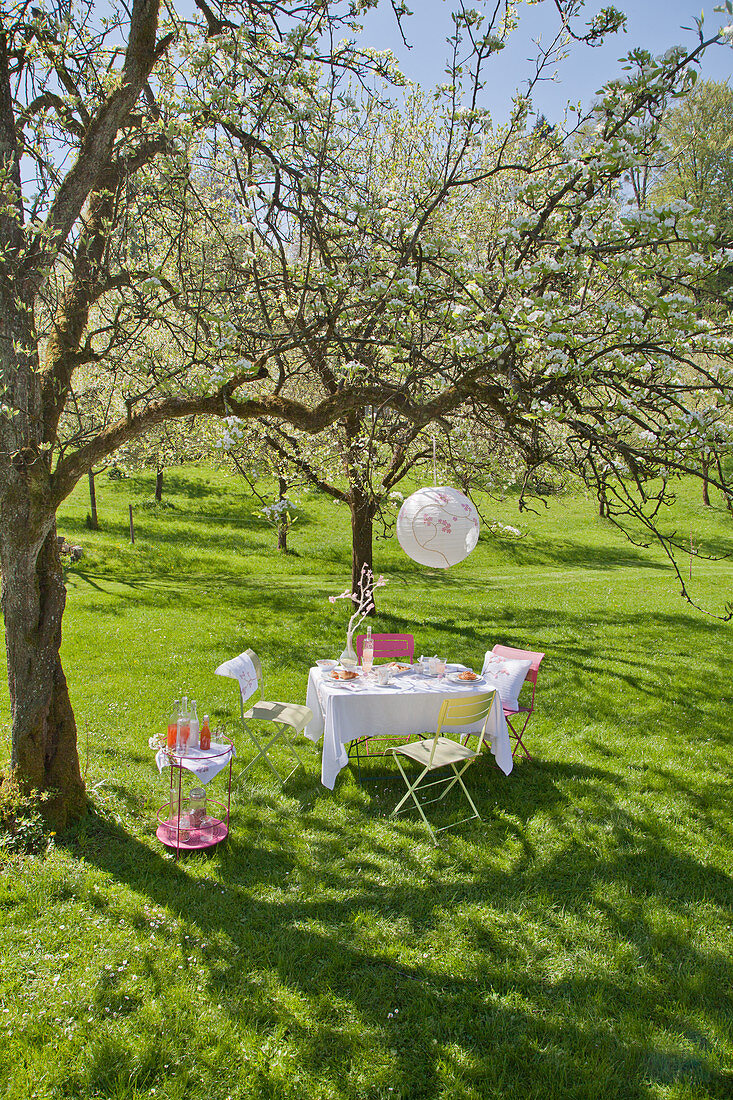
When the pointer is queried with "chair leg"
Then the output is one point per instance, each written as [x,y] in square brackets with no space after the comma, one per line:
[281,735]
[457,779]
[411,787]
[261,752]
[355,747]
[464,788]
[288,741]
[518,742]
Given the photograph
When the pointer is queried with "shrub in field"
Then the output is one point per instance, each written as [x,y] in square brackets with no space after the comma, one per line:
[22,827]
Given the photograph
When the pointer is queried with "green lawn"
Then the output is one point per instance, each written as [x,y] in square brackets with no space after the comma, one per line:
[576,943]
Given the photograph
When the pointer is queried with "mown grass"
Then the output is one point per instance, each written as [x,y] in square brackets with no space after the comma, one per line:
[575,943]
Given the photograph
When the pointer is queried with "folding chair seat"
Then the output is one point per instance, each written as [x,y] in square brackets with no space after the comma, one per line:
[441,751]
[497,667]
[286,718]
[387,647]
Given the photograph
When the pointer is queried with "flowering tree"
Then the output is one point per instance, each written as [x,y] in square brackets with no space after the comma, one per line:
[104,249]
[357,462]
[198,208]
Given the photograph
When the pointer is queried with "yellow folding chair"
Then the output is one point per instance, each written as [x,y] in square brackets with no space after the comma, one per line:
[287,718]
[445,752]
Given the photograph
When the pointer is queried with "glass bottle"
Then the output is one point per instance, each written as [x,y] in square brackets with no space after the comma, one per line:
[184,727]
[173,726]
[205,739]
[197,806]
[367,653]
[193,737]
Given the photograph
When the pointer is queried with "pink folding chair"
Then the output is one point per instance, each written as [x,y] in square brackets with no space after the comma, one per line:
[387,647]
[510,712]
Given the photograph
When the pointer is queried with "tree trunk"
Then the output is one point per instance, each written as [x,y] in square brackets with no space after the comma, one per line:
[159,484]
[93,520]
[362,518]
[44,753]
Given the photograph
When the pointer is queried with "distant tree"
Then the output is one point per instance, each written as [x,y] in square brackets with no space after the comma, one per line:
[255,460]
[164,446]
[357,463]
[697,137]
[695,165]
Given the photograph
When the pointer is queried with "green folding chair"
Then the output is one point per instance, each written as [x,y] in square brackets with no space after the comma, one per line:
[287,718]
[439,751]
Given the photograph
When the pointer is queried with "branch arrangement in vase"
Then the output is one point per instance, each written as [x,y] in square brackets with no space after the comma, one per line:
[364,600]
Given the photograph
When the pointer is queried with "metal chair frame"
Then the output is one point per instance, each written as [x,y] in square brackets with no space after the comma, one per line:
[286,716]
[463,710]
[531,677]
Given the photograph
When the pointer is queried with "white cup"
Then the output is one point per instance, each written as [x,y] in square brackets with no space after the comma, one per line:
[384,673]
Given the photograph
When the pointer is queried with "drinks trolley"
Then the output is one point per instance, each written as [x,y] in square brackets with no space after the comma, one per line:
[192,822]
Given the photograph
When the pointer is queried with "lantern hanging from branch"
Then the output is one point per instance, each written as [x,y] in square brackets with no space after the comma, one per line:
[438,526]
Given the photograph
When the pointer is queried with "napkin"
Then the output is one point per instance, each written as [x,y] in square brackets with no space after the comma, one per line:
[204,764]
[241,668]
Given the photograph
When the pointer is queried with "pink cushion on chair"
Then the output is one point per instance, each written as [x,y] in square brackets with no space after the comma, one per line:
[507,675]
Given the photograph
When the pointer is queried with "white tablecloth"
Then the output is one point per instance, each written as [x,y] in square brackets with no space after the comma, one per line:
[410,704]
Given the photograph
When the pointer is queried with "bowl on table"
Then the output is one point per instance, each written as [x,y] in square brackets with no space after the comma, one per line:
[326,662]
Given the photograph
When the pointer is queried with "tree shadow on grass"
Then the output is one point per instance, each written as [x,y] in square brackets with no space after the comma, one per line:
[467,963]
[560,553]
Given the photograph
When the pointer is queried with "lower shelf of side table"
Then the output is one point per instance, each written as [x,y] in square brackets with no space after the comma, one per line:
[187,837]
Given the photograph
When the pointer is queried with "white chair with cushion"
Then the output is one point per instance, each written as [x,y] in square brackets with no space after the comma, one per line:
[287,718]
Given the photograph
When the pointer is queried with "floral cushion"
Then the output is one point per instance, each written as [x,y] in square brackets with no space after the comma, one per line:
[506,674]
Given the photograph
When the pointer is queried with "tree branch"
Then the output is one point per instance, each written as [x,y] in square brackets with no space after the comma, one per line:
[140,57]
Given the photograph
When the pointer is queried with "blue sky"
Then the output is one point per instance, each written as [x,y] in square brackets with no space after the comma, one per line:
[654,24]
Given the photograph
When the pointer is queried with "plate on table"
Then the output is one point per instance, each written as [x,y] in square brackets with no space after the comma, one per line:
[399,668]
[460,678]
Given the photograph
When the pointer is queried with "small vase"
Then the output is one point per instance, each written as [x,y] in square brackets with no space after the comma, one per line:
[349,654]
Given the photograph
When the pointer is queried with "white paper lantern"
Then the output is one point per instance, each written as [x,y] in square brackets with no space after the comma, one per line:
[438,527]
